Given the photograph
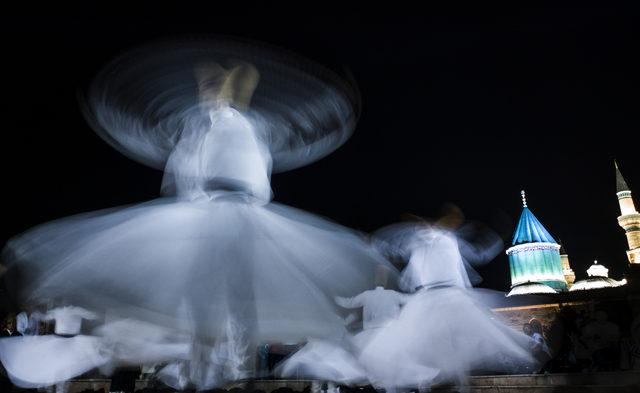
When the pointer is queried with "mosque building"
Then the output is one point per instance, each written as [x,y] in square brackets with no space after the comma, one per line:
[540,265]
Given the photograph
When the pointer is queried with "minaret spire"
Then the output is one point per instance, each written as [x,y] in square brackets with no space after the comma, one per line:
[621,185]
[629,218]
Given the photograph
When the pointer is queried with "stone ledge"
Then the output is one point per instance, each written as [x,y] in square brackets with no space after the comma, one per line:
[622,381]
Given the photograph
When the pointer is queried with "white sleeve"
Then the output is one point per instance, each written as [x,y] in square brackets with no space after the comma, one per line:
[478,245]
[351,302]
[86,314]
[50,315]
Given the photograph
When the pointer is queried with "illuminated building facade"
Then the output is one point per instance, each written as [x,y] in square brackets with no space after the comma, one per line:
[537,261]
[597,277]
[534,257]
[569,275]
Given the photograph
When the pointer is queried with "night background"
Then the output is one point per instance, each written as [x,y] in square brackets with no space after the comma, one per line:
[465,106]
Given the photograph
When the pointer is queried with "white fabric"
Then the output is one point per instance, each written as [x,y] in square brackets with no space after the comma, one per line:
[28,325]
[274,267]
[476,245]
[228,152]
[229,255]
[133,342]
[442,334]
[143,102]
[39,361]
[68,319]
[22,323]
[324,361]
[435,261]
[445,333]
[338,361]
[379,306]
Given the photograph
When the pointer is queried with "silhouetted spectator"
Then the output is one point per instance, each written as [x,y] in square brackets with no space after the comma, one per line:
[634,347]
[123,380]
[539,347]
[602,339]
[8,330]
[9,327]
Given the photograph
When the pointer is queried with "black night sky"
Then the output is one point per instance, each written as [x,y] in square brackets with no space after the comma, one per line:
[462,106]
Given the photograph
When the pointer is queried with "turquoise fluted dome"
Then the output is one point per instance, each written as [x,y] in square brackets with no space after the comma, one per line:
[534,256]
[530,230]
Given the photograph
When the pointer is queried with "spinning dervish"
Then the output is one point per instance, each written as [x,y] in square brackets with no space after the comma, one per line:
[214,268]
[443,332]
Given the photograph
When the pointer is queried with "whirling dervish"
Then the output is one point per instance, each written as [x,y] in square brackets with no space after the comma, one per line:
[214,261]
[445,332]
[42,360]
[439,331]
[339,360]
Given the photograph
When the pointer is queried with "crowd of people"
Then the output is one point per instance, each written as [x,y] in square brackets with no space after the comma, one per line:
[598,339]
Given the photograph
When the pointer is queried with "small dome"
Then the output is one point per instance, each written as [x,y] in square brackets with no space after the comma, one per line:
[595,282]
[597,270]
[531,288]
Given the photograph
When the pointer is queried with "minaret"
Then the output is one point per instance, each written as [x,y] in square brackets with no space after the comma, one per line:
[568,273]
[629,218]
[533,255]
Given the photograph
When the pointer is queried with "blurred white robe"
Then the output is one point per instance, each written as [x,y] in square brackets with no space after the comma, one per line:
[444,332]
[338,360]
[230,252]
[40,361]
[379,306]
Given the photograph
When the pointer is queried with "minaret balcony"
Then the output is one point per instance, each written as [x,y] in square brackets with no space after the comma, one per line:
[630,222]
